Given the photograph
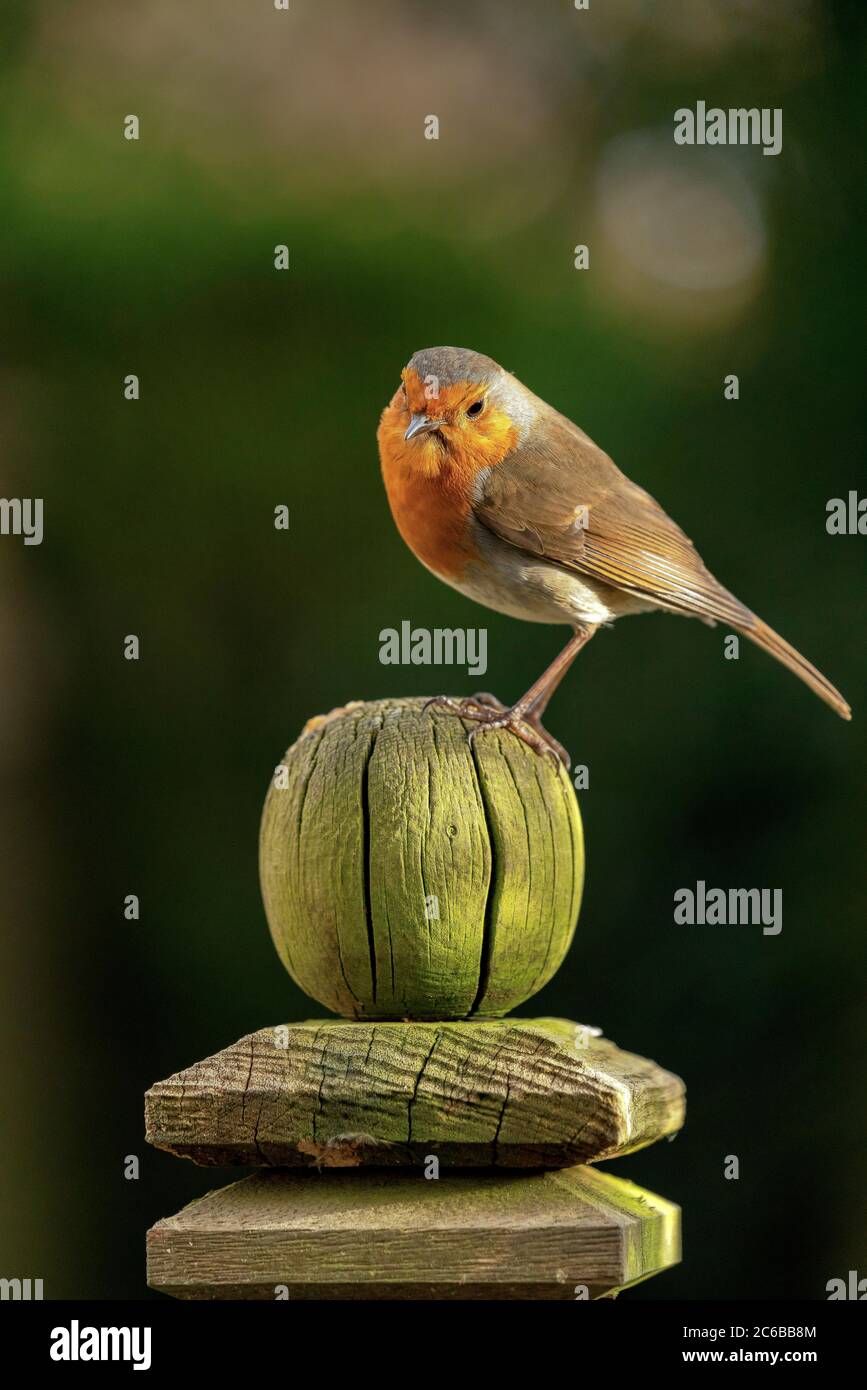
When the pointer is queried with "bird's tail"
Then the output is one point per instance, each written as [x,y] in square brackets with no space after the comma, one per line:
[770,641]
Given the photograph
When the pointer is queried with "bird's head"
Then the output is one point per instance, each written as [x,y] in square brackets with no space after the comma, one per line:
[454,408]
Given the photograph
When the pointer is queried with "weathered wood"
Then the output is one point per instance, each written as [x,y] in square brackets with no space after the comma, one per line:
[398,1236]
[406,875]
[505,1093]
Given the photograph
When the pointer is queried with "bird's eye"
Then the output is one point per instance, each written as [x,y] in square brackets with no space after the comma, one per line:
[476,408]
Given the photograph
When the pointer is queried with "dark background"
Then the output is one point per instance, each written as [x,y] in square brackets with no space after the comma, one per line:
[261,388]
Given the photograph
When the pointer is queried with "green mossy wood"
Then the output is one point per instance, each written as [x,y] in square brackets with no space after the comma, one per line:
[407,875]
[577,1233]
[505,1093]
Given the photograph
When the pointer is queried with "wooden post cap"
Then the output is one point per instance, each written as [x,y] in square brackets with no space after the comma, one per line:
[406,874]
[574,1234]
[511,1093]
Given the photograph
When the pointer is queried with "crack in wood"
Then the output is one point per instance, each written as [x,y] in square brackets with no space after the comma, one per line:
[418,1081]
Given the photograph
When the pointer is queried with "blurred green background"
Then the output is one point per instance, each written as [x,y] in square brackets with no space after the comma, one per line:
[259,388]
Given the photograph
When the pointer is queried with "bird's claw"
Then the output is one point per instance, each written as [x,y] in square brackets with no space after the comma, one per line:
[491,714]
[472,707]
[538,739]
[489,701]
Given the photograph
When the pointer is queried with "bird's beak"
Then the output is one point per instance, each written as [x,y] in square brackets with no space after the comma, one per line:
[420,424]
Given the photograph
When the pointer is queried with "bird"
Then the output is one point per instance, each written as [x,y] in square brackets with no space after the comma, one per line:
[509,502]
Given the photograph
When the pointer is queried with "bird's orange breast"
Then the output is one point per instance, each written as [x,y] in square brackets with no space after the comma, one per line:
[430,488]
[429,500]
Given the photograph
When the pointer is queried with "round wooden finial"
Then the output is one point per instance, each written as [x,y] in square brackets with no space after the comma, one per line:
[408,875]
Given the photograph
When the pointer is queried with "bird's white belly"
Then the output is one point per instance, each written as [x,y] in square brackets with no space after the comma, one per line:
[538,592]
[524,586]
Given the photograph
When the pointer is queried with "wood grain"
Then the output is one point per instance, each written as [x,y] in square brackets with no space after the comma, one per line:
[398,1236]
[382,808]
[506,1093]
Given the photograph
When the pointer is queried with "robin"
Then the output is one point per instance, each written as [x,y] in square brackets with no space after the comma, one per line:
[502,497]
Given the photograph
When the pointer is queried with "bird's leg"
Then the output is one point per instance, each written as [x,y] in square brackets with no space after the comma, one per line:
[525,717]
[535,702]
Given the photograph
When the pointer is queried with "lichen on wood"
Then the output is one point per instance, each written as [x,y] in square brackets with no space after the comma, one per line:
[408,875]
[327,1093]
[572,1234]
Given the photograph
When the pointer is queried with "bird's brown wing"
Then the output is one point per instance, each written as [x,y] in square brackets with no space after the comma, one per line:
[558,495]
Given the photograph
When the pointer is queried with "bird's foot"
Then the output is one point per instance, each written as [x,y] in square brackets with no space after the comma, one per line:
[491,713]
